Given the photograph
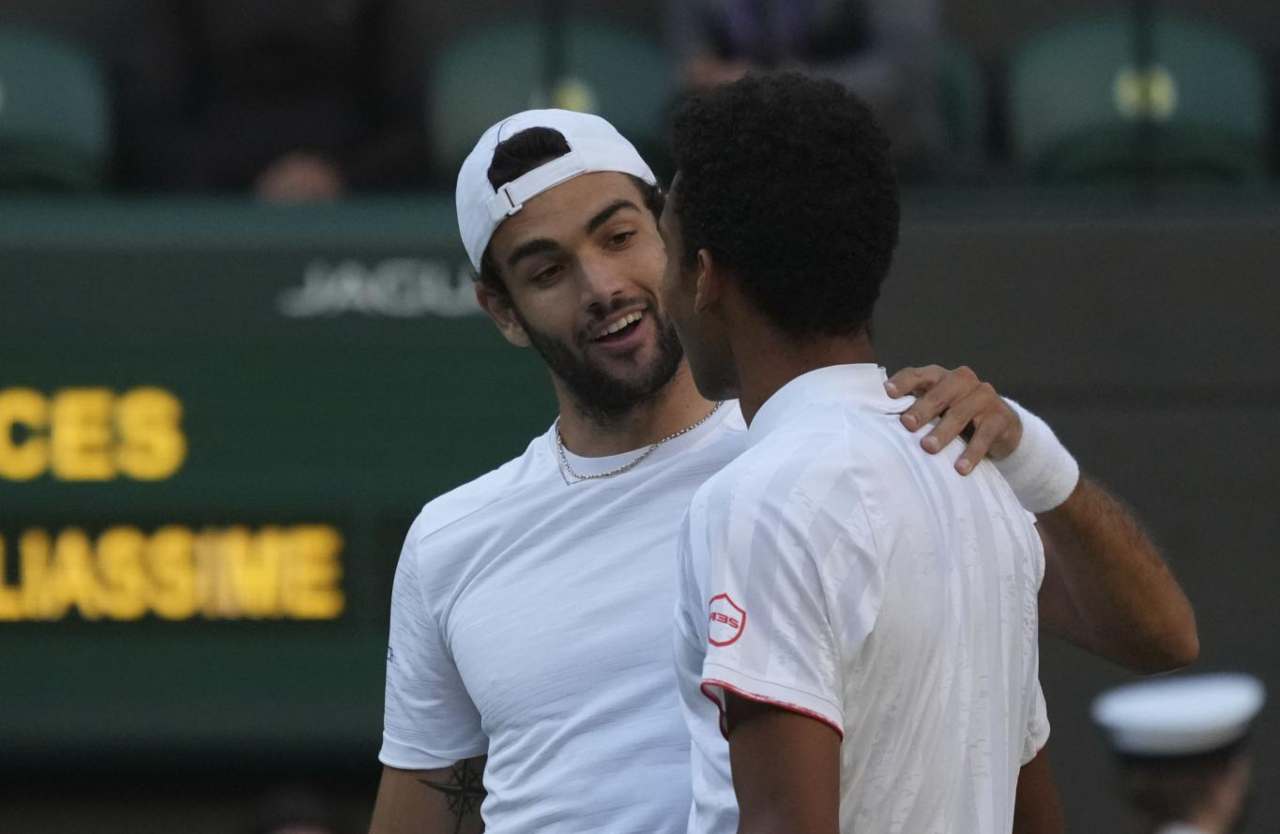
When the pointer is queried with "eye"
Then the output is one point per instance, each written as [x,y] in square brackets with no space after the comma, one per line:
[620,239]
[547,275]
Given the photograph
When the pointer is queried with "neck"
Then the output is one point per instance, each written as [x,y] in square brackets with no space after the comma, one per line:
[767,360]
[677,405]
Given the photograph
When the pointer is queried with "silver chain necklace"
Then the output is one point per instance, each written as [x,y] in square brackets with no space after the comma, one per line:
[629,465]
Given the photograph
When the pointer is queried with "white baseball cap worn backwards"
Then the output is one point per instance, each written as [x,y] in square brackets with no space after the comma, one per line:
[594,145]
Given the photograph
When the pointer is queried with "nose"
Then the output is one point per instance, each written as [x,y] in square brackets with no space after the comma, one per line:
[603,283]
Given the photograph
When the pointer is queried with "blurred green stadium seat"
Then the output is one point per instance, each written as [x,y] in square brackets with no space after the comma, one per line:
[54,115]
[962,101]
[493,71]
[1078,103]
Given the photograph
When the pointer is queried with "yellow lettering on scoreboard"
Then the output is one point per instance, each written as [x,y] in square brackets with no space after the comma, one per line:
[70,581]
[152,445]
[312,590]
[10,598]
[35,548]
[90,434]
[81,436]
[175,573]
[123,592]
[26,410]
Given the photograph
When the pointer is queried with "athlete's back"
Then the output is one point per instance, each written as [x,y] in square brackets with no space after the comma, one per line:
[836,570]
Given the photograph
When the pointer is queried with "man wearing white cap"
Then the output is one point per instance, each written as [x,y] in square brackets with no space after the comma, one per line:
[531,617]
[1180,746]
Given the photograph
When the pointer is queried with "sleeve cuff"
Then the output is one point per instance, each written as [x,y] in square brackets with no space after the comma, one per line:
[403,756]
[1035,742]
[717,680]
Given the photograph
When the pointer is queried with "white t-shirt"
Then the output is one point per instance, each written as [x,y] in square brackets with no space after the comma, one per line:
[531,619]
[836,570]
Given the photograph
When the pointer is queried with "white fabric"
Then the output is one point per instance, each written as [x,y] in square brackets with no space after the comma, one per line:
[867,586]
[1041,472]
[1181,828]
[1179,716]
[531,620]
[594,145]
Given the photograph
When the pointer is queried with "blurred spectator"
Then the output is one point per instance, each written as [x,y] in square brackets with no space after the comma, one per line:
[886,51]
[295,809]
[295,100]
[1180,743]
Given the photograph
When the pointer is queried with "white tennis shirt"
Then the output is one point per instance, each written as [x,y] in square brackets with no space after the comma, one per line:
[836,570]
[531,620]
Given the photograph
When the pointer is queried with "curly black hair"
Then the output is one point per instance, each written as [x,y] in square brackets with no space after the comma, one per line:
[787,181]
[519,154]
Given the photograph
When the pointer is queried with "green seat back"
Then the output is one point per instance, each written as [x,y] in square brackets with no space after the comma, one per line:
[498,70]
[54,119]
[1078,103]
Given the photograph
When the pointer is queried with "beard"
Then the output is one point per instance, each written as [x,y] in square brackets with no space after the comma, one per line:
[598,395]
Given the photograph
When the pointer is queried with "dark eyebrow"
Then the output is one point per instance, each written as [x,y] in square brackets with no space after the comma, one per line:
[608,211]
[533,247]
[542,245]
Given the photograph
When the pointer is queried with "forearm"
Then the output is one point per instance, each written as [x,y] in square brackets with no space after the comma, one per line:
[445,801]
[1107,587]
[786,770]
[758,823]
[1037,808]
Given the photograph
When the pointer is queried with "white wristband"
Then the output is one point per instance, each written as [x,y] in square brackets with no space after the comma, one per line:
[1041,471]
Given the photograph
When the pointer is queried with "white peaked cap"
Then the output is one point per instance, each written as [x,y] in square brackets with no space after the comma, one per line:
[1181,716]
[594,145]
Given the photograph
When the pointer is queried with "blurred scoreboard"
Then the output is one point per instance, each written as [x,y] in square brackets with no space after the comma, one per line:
[216,423]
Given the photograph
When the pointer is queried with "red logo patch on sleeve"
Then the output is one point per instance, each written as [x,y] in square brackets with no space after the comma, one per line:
[726,622]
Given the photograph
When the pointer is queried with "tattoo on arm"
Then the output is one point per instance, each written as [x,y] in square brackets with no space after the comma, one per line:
[463,790]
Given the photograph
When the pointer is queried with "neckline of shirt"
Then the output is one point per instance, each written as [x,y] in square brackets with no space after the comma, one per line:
[860,385]
[596,465]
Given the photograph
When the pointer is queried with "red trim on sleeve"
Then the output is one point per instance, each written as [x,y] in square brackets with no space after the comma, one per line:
[760,699]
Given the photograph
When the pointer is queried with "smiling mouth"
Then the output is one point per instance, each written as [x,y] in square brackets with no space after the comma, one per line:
[619,329]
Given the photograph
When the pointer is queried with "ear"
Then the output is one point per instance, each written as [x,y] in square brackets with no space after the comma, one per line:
[710,283]
[498,307]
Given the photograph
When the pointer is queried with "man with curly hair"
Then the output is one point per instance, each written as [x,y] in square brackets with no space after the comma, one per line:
[859,624]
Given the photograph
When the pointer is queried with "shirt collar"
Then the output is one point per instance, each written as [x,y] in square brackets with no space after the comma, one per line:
[860,386]
[675,446]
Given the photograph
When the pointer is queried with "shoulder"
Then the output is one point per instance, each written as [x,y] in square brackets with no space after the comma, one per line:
[712,450]
[464,506]
[781,475]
